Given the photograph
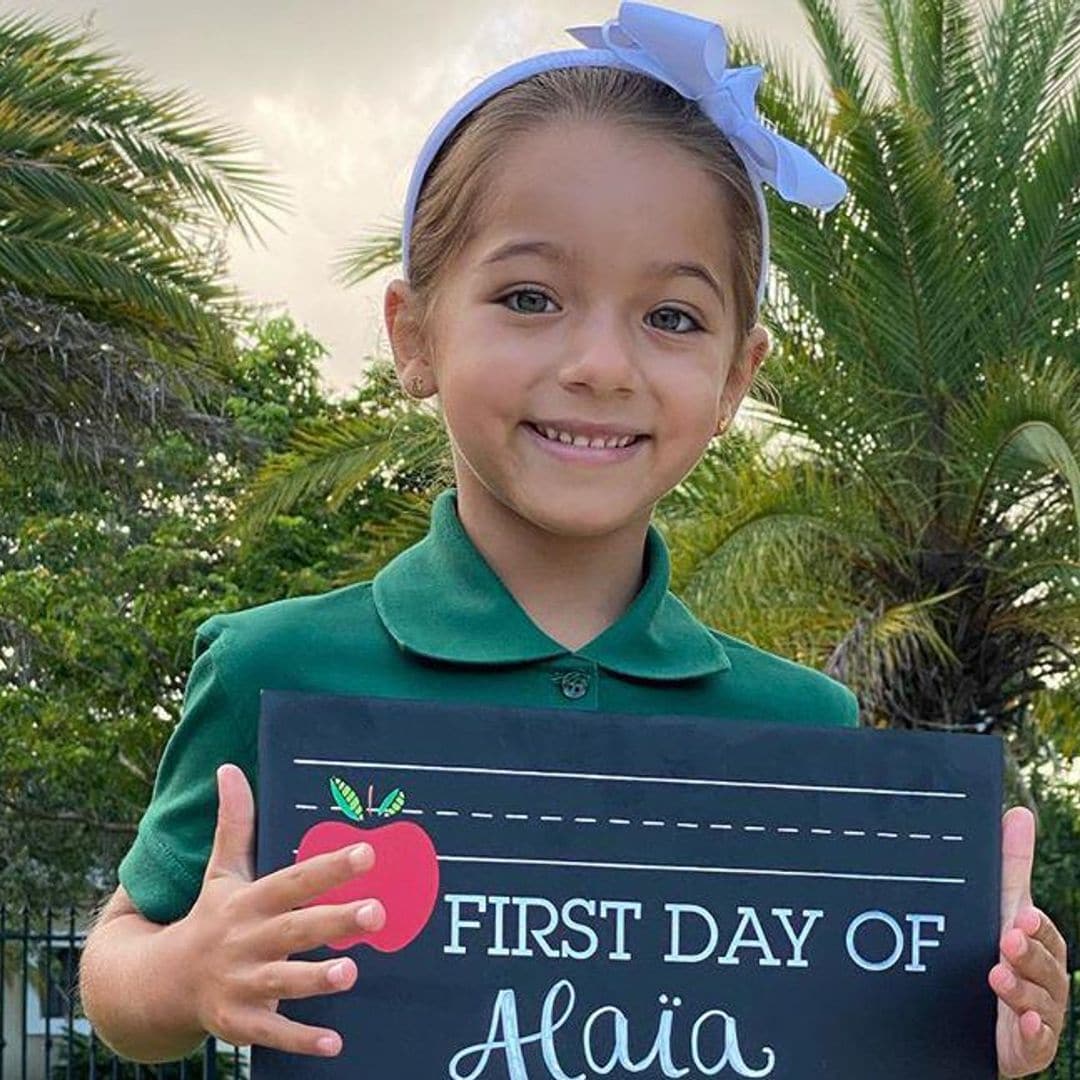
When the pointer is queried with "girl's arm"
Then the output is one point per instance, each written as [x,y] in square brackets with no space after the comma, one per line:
[132,987]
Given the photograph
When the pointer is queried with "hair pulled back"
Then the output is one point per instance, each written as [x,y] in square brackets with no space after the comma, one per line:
[450,203]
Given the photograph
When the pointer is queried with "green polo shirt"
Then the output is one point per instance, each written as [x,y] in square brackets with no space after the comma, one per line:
[437,623]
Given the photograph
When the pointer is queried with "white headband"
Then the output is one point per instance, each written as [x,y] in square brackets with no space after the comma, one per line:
[690,55]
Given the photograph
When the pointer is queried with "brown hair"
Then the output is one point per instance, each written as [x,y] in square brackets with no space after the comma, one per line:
[447,211]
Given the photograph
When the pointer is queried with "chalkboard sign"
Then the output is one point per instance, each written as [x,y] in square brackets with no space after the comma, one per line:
[576,895]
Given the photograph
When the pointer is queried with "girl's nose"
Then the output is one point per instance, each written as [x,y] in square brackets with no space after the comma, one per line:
[600,358]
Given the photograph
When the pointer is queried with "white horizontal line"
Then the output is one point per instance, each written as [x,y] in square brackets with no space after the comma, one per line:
[888,835]
[618,821]
[550,817]
[652,823]
[446,813]
[753,828]
[517,817]
[585,820]
[822,832]
[305,806]
[480,814]
[482,770]
[721,825]
[919,835]
[854,832]
[700,869]
[686,824]
[786,828]
[409,810]
[952,838]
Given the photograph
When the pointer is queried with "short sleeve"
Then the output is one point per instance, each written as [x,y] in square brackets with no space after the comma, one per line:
[849,707]
[163,869]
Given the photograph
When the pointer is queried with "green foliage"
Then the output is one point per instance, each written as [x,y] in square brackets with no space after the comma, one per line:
[100,594]
[910,517]
[115,314]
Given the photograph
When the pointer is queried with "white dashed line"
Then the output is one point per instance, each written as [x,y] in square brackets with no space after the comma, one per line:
[656,823]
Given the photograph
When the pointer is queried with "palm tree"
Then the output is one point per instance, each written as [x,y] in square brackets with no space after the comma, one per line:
[114,314]
[910,522]
[927,372]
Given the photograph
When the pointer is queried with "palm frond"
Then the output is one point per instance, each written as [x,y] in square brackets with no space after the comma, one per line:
[334,457]
[1024,423]
[368,256]
[404,519]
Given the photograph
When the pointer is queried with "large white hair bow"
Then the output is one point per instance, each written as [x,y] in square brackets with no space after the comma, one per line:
[690,55]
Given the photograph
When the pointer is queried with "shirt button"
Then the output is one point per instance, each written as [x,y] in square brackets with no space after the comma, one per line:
[574,684]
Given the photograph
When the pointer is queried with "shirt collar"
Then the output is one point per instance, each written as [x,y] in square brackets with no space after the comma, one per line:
[440,598]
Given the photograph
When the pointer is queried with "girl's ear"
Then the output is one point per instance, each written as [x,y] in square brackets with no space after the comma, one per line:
[755,347]
[411,360]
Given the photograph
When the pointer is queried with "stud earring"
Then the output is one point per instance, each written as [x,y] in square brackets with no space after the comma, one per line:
[722,425]
[416,385]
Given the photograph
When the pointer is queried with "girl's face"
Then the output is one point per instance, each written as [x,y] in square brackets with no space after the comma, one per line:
[563,321]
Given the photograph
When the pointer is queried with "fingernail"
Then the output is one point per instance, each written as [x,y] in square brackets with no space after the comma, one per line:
[359,855]
[329,1044]
[365,911]
[339,971]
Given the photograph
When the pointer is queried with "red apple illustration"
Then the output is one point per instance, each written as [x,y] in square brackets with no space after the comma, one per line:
[405,876]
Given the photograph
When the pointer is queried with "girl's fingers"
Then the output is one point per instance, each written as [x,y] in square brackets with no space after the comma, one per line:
[1040,1042]
[297,883]
[1032,960]
[1041,926]
[261,1027]
[309,927]
[302,978]
[1022,996]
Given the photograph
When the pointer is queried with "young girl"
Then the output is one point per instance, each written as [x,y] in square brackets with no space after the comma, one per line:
[585,254]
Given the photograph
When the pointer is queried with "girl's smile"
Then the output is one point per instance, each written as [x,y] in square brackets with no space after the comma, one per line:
[583,443]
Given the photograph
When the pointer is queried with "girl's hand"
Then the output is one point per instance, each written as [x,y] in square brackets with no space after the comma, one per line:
[1031,980]
[240,931]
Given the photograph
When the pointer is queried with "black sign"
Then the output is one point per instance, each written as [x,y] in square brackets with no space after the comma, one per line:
[572,895]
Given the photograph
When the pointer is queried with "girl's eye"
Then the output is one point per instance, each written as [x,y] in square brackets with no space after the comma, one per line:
[538,310]
[527,292]
[685,314]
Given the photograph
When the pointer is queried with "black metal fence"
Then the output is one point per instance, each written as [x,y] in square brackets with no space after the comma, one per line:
[43,1032]
[44,1035]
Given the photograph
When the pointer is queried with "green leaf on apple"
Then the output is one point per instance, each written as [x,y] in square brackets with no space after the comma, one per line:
[350,803]
[392,804]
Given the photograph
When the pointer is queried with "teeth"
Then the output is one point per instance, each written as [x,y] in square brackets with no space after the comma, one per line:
[598,443]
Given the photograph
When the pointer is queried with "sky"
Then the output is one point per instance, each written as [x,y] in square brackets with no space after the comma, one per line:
[338,98]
